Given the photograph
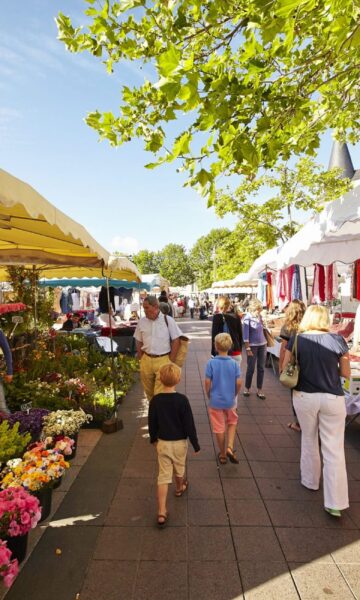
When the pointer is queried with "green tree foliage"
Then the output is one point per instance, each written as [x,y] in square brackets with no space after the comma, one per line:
[205,257]
[175,265]
[293,191]
[260,80]
[147,261]
[25,287]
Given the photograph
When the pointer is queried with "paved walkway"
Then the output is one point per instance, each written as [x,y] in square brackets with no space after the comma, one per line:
[242,531]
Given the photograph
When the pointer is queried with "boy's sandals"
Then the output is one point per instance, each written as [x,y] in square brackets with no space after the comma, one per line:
[261,396]
[294,426]
[230,453]
[185,485]
[162,520]
[222,459]
[246,394]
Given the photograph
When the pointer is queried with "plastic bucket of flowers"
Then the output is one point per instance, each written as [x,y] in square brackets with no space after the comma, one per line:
[65,423]
[37,472]
[9,567]
[19,512]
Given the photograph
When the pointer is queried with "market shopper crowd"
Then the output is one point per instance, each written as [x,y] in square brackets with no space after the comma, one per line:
[317,398]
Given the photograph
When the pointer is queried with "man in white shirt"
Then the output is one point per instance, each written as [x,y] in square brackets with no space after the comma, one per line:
[157,343]
[191,305]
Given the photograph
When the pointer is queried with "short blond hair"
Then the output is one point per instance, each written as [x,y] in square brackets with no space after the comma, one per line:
[223,342]
[170,374]
[315,318]
[224,303]
[255,305]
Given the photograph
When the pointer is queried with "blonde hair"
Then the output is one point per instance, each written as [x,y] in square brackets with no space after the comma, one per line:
[224,303]
[170,374]
[223,342]
[315,318]
[294,313]
[255,305]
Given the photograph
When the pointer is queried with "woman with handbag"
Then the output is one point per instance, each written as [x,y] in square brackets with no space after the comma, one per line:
[226,321]
[256,347]
[320,406]
[293,315]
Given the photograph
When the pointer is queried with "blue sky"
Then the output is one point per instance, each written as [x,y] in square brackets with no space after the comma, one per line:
[45,93]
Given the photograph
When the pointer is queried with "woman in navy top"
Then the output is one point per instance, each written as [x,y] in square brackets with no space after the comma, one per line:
[320,406]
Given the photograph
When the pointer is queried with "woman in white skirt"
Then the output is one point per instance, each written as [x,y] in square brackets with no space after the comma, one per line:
[320,406]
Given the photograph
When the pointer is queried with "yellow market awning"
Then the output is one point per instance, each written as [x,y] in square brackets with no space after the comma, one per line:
[35,233]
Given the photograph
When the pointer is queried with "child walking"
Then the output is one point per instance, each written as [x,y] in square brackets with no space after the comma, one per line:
[171,423]
[222,385]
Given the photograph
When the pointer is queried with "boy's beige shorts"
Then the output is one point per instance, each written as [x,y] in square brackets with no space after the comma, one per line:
[171,457]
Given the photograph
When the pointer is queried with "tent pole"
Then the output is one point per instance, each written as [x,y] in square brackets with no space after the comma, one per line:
[34,286]
[111,347]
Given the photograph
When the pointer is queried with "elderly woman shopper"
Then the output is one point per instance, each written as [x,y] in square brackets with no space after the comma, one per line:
[226,321]
[256,347]
[293,315]
[320,406]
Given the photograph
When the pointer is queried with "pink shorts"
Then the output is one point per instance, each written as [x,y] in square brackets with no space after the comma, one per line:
[220,418]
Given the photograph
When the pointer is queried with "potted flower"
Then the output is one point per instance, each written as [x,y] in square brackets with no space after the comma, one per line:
[29,422]
[62,444]
[36,472]
[9,567]
[19,512]
[12,443]
[65,422]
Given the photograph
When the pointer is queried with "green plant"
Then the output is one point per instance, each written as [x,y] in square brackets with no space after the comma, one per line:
[12,443]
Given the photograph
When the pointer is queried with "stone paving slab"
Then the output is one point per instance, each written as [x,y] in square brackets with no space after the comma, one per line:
[242,532]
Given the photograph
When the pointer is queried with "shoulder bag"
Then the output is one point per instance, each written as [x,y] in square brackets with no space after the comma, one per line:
[183,348]
[270,341]
[289,377]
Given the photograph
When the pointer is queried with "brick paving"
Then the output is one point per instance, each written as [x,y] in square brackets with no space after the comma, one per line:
[247,531]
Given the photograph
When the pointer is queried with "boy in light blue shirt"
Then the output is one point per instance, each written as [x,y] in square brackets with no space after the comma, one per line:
[222,385]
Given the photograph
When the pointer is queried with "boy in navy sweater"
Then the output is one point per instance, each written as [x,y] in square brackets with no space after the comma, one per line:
[171,423]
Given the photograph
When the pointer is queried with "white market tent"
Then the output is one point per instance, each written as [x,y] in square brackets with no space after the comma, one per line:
[155,281]
[267,259]
[332,235]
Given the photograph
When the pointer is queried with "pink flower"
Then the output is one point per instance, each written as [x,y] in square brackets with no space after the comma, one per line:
[8,568]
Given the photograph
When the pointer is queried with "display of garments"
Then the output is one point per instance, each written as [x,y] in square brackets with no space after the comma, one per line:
[296,293]
[318,289]
[331,282]
[356,280]
[103,299]
[75,301]
[57,298]
[283,287]
[269,290]
[64,304]
[261,293]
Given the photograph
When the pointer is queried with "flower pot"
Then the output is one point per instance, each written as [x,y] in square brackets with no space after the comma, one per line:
[44,496]
[73,454]
[18,546]
[57,483]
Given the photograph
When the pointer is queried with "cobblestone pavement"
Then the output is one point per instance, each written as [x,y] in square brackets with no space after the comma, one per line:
[242,531]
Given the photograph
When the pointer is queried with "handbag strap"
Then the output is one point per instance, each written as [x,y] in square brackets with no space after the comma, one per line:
[167,325]
[294,348]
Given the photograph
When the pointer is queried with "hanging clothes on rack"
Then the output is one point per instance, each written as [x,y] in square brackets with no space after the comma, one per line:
[261,293]
[57,300]
[331,282]
[283,287]
[356,280]
[64,304]
[318,289]
[103,299]
[269,290]
[296,293]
